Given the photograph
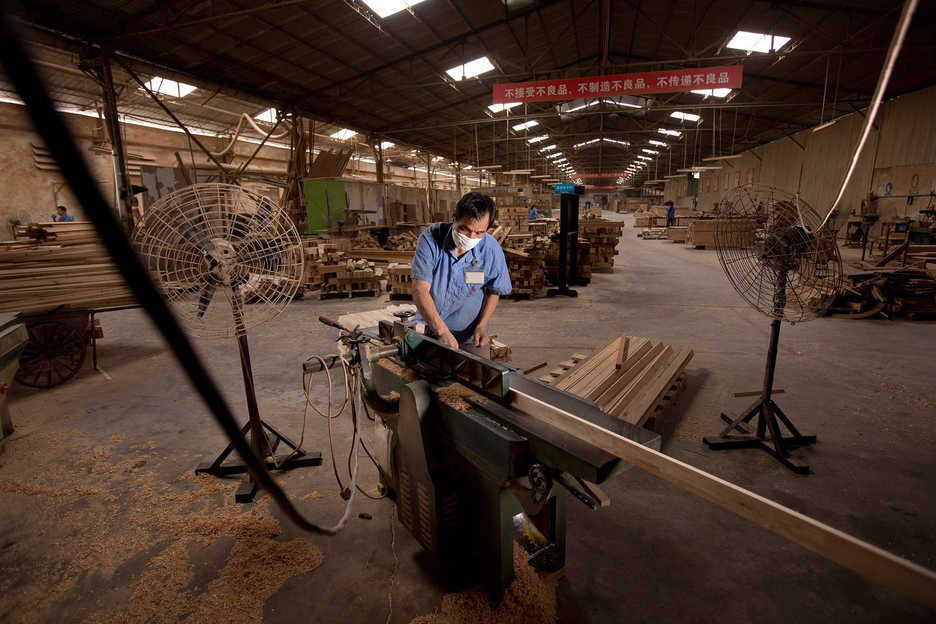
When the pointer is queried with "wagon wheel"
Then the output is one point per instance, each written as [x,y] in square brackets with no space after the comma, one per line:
[53,355]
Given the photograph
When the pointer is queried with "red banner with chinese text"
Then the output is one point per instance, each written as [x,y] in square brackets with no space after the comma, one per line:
[613,174]
[592,187]
[722,77]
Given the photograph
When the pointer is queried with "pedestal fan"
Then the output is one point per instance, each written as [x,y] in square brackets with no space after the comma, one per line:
[227,259]
[778,259]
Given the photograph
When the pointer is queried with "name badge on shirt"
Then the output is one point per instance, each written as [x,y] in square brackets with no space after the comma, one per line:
[474,277]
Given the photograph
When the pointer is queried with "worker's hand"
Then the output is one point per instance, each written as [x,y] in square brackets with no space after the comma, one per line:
[480,337]
[448,339]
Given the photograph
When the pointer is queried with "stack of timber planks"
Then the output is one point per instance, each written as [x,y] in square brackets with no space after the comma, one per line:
[604,236]
[515,216]
[677,233]
[350,278]
[527,272]
[908,292]
[628,377]
[399,281]
[58,264]
[583,267]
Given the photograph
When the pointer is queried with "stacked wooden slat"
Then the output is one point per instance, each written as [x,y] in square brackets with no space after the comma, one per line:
[400,282]
[677,233]
[516,216]
[350,278]
[604,236]
[58,264]
[583,267]
[628,377]
[653,233]
[319,254]
[909,292]
[527,274]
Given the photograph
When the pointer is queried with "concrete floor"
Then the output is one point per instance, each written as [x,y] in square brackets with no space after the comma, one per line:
[658,553]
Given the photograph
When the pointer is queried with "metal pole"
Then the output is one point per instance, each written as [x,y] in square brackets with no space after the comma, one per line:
[118,153]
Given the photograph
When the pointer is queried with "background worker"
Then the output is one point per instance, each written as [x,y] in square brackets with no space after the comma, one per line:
[670,214]
[459,274]
[61,214]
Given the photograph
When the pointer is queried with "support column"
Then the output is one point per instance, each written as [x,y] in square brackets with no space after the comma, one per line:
[118,153]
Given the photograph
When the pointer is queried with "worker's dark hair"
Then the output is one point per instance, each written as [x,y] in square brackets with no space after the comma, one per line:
[669,203]
[475,205]
[61,208]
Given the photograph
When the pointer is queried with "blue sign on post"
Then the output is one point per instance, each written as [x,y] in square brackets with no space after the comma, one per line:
[565,189]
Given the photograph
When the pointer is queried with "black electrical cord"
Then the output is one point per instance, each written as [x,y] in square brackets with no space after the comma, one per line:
[22,73]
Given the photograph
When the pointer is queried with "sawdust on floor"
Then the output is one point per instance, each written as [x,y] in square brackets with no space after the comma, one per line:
[99,514]
[530,599]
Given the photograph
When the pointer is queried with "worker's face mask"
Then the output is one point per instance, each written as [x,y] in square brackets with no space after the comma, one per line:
[465,243]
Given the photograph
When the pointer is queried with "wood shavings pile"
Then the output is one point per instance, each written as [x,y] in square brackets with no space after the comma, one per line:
[101,508]
[530,599]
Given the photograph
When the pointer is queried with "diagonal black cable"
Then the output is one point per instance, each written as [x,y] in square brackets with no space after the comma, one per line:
[22,73]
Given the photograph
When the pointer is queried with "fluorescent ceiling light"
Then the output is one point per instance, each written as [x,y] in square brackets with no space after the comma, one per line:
[386,144]
[649,151]
[685,116]
[831,122]
[660,143]
[548,148]
[615,141]
[539,138]
[524,125]
[268,115]
[471,69]
[554,155]
[467,167]
[756,42]
[621,103]
[666,131]
[173,88]
[498,108]
[719,93]
[385,8]
[584,143]
[642,157]
[343,135]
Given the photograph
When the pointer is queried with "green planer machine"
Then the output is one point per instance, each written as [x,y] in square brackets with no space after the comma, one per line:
[471,472]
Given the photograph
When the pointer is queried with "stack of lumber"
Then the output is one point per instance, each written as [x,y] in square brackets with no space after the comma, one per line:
[677,233]
[350,278]
[399,281]
[604,236]
[527,274]
[702,232]
[404,240]
[318,253]
[653,233]
[629,376]
[591,210]
[516,216]
[583,268]
[398,212]
[500,233]
[908,292]
[634,204]
[544,225]
[58,264]
[366,240]
[643,218]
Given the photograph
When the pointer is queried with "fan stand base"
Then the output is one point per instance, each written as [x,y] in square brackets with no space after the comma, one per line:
[245,493]
[768,437]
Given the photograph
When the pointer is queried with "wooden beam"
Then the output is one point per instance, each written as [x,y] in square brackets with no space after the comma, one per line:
[875,564]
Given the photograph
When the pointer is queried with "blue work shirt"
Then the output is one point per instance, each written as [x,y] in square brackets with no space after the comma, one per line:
[533,212]
[457,301]
[67,217]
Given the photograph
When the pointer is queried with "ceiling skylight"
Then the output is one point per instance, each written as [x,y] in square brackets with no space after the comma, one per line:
[471,69]
[386,145]
[668,132]
[267,115]
[537,139]
[719,93]
[757,42]
[524,125]
[385,8]
[343,135]
[498,108]
[173,88]
[685,116]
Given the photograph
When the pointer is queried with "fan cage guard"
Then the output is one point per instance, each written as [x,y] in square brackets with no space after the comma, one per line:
[226,258]
[783,269]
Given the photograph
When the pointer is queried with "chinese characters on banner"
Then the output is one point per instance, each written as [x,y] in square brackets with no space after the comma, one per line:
[722,77]
[615,174]
[592,187]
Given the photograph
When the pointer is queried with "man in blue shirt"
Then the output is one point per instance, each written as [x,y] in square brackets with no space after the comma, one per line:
[670,214]
[459,274]
[61,214]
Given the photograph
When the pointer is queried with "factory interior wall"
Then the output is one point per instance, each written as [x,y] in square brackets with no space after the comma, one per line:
[900,151]
[29,194]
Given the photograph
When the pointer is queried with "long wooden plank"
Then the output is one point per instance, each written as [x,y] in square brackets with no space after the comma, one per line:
[875,564]
[638,410]
[587,365]
[645,378]
[610,395]
[636,350]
